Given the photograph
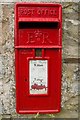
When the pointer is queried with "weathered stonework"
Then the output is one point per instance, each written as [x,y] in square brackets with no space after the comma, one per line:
[70,76]
[13,1]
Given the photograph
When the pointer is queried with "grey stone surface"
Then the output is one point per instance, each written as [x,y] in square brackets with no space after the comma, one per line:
[13,1]
[70,76]
[10,1]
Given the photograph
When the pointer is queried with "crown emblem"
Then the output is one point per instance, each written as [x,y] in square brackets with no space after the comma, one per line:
[38,34]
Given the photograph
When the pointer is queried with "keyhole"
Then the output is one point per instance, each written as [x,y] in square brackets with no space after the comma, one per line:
[25,80]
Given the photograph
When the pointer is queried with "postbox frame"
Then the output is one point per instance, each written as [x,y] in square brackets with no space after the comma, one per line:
[17,47]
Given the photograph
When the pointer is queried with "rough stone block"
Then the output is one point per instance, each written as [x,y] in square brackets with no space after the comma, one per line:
[70,76]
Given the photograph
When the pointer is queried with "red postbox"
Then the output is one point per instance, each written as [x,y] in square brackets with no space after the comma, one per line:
[38,43]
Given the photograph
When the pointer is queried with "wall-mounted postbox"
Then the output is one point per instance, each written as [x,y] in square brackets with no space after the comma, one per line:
[38,43]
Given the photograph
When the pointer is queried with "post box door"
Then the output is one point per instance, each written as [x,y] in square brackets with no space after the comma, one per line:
[38,58]
[43,100]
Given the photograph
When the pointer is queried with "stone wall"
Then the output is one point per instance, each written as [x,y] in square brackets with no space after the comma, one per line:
[70,69]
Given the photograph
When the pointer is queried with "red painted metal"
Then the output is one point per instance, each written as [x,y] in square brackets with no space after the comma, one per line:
[38,26]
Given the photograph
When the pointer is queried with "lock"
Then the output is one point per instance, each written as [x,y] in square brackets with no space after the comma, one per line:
[38,48]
